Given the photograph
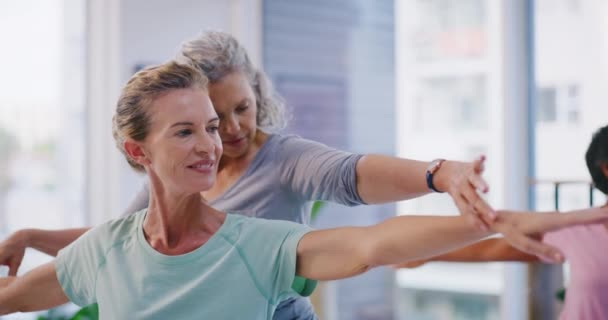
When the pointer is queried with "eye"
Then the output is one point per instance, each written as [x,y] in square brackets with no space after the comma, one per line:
[184,133]
[242,108]
[213,129]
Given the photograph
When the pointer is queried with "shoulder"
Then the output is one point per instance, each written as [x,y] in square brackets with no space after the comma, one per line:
[252,229]
[292,141]
[105,236]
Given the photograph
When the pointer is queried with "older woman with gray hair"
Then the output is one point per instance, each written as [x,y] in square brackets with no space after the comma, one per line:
[270,175]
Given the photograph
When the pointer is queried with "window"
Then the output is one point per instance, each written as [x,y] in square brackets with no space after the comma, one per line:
[558,104]
[546,104]
[42,140]
[445,80]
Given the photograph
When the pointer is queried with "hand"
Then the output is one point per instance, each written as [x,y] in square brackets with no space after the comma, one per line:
[12,251]
[523,229]
[463,182]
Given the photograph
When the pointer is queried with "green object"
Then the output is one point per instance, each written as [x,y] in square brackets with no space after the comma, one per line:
[316,207]
[561,294]
[87,313]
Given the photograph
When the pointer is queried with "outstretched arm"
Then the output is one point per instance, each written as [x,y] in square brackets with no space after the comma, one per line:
[345,252]
[495,249]
[383,179]
[39,289]
[50,242]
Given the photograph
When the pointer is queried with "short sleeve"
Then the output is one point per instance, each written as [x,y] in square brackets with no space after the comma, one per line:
[270,247]
[315,171]
[77,265]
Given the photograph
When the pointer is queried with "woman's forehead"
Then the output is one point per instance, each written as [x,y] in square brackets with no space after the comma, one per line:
[183,103]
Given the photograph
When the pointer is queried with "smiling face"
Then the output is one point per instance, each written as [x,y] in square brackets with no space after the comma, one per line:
[183,147]
[235,104]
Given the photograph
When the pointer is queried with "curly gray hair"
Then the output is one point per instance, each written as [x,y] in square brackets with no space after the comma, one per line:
[218,54]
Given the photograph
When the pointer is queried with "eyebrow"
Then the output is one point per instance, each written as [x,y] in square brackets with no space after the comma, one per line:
[182,124]
[185,123]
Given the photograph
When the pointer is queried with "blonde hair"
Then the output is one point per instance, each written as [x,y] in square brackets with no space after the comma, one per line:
[131,119]
[218,54]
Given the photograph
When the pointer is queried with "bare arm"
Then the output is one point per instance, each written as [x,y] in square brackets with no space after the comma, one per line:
[39,289]
[496,249]
[345,252]
[488,250]
[50,242]
[383,179]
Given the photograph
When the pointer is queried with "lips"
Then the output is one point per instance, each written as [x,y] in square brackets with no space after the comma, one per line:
[233,141]
[204,165]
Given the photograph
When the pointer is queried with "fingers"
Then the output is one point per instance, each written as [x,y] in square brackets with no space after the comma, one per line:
[478,164]
[13,266]
[479,206]
[469,212]
[531,245]
[478,183]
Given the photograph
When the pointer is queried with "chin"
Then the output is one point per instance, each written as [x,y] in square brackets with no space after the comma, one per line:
[201,186]
[234,153]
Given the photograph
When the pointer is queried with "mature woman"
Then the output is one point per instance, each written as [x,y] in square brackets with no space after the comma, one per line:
[182,259]
[275,176]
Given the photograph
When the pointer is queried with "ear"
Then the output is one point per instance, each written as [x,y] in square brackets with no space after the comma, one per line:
[604,168]
[136,152]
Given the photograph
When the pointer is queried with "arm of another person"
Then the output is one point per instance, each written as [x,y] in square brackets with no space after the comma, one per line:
[317,172]
[37,290]
[345,252]
[12,249]
[489,250]
[382,179]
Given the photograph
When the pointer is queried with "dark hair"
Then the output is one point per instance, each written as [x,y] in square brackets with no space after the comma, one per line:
[596,157]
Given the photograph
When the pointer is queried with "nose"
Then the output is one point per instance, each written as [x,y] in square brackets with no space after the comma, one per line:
[205,143]
[231,125]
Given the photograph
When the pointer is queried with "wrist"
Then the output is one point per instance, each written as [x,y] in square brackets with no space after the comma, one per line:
[23,237]
[441,175]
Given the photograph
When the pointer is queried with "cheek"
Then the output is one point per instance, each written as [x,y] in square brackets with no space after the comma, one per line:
[250,119]
[219,148]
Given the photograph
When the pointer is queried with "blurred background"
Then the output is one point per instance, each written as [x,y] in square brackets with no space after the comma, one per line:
[523,82]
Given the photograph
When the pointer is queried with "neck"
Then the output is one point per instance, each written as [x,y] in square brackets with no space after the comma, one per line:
[178,222]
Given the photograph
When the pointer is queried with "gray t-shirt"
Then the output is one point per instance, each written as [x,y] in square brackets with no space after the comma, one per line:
[286,174]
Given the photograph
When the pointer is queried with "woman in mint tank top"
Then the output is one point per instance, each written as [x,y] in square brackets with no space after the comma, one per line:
[182,259]
[275,176]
